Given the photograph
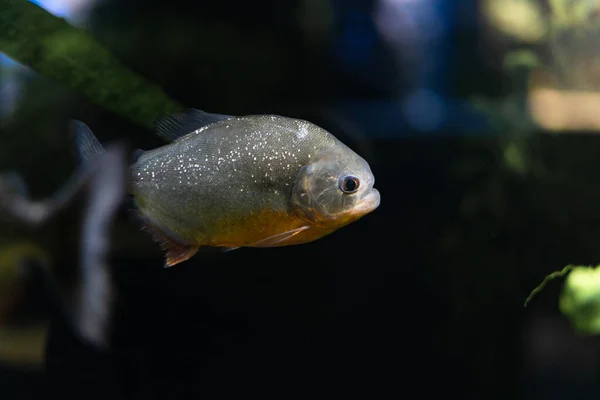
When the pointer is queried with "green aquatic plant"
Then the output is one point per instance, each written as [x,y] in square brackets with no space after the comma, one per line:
[559,39]
[21,344]
[24,346]
[553,54]
[10,254]
[69,55]
[548,278]
[580,297]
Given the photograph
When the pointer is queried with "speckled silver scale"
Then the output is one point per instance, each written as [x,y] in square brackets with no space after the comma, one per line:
[238,166]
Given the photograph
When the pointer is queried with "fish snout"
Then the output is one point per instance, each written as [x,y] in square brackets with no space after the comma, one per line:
[369,202]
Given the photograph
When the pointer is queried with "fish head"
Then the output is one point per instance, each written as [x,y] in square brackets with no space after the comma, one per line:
[335,189]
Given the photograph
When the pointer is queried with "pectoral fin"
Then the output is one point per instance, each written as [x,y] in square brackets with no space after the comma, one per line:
[216,249]
[279,239]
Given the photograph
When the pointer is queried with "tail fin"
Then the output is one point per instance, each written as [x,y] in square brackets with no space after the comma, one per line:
[94,194]
[86,144]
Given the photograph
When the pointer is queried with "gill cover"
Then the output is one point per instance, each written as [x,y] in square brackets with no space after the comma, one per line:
[328,190]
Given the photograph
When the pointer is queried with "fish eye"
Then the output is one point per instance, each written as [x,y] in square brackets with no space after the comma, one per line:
[349,184]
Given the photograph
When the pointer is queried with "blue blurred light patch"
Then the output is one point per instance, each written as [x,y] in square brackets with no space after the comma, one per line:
[408,116]
[6,61]
[9,97]
[424,110]
[60,8]
[418,32]
[358,38]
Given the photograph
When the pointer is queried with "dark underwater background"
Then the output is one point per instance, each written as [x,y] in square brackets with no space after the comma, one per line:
[423,297]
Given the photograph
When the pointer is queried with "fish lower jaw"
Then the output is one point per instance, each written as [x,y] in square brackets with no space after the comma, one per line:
[369,203]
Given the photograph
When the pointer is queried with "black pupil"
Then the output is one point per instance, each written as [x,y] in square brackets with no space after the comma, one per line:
[350,184]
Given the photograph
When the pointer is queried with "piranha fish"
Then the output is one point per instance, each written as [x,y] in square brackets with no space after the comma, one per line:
[252,181]
[77,275]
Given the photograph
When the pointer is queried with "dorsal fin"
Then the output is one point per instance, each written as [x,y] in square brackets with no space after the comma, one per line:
[173,126]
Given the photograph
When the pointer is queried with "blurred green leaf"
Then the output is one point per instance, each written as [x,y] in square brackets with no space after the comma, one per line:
[580,299]
[522,58]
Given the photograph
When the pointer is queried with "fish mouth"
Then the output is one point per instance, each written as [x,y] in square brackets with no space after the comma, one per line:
[368,203]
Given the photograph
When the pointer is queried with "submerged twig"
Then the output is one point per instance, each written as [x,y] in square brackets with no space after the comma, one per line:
[554,275]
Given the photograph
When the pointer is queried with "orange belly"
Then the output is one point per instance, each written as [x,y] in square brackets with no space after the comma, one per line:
[251,229]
